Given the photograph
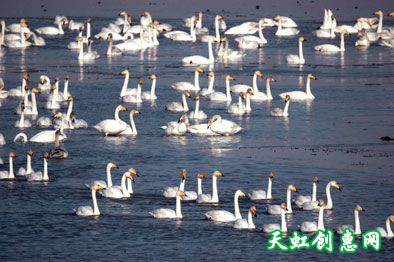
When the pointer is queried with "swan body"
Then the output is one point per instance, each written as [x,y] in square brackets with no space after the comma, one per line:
[112,127]
[200,60]
[151,95]
[300,95]
[177,106]
[279,112]
[301,200]
[118,192]
[387,233]
[178,128]
[51,30]
[276,209]
[225,216]
[182,86]
[208,198]
[28,170]
[44,121]
[222,126]
[268,228]
[289,31]
[170,213]
[313,226]
[356,228]
[261,194]
[328,48]
[222,97]
[40,176]
[294,59]
[201,130]
[88,210]
[246,28]
[197,113]
[246,224]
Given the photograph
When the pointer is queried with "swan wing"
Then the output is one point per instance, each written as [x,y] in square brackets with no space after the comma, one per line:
[311,205]
[220,216]
[274,209]
[204,198]
[84,211]
[170,192]
[257,194]
[163,213]
[308,226]
[268,228]
[241,224]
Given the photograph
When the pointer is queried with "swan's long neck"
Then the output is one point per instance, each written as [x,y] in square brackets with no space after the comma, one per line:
[109,49]
[342,47]
[196,80]
[125,83]
[2,34]
[228,94]
[288,199]
[215,196]
[133,127]
[55,96]
[199,186]
[255,89]
[332,27]
[250,220]
[178,212]
[217,33]
[210,52]
[320,222]
[65,90]
[125,24]
[23,86]
[109,177]
[197,109]
[247,102]
[96,210]
[59,26]
[11,174]
[88,28]
[139,89]
[182,184]
[308,87]
[23,41]
[22,119]
[28,166]
[130,186]
[388,228]
[314,191]
[240,105]
[184,102]
[123,186]
[286,109]
[283,225]
[62,126]
[380,25]
[33,103]
[79,42]
[45,176]
[199,22]
[279,25]
[117,118]
[210,85]
[300,51]
[268,88]
[236,207]
[269,190]
[80,55]
[69,110]
[261,36]
[357,226]
[153,88]
[329,199]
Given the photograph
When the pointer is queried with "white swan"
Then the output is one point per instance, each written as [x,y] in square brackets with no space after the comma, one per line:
[75,45]
[222,126]
[216,37]
[328,48]
[151,95]
[178,128]
[9,174]
[20,90]
[182,86]
[268,228]
[22,122]
[126,91]
[118,192]
[261,96]
[222,97]
[197,113]
[300,199]
[201,130]
[20,137]
[37,40]
[28,170]
[326,33]
[211,81]
[88,210]
[172,191]
[261,194]
[132,129]
[362,40]
[246,28]
[300,95]
[285,31]
[356,229]
[200,60]
[53,100]
[170,213]
[313,226]
[110,50]
[21,42]
[246,224]
[86,56]
[32,110]
[40,176]
[297,59]
[374,36]
[44,121]
[238,108]
[16,28]
[226,53]
[276,209]
[244,88]
[107,183]
[112,127]
[313,205]
[183,36]
[388,233]
[45,83]
[279,112]
[134,98]
[49,136]
[51,30]
[226,216]
[177,106]
[73,25]
[260,40]
[208,198]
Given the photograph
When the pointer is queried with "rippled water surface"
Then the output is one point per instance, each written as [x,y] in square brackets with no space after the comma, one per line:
[335,137]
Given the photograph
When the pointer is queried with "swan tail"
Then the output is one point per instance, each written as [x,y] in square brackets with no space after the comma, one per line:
[163,127]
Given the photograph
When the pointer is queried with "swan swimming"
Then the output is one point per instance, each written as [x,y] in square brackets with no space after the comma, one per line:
[178,128]
[276,209]
[246,224]
[152,94]
[268,228]
[225,216]
[284,31]
[328,48]
[88,210]
[4,175]
[170,213]
[279,112]
[208,198]
[244,88]
[111,127]
[222,126]
[118,192]
[220,96]
[388,233]
[294,59]
[313,226]
[313,205]
[261,194]
[356,229]
[132,129]
[28,170]
[301,95]
[197,113]
[200,60]
[300,199]
[40,176]
[182,86]
[177,106]
[172,191]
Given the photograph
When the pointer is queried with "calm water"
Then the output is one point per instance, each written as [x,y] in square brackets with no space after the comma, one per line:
[335,137]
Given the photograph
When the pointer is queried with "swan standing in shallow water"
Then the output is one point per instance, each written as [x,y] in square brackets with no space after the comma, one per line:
[150,95]
[200,60]
[261,194]
[222,97]
[388,233]
[297,59]
[268,228]
[197,113]
[179,128]
[132,129]
[170,213]
[328,48]
[313,226]
[22,171]
[40,176]
[356,228]
[118,192]
[276,209]
[313,205]
[284,31]
[279,112]
[300,95]
[208,198]
[300,200]
[177,106]
[9,174]
[225,216]
[112,127]
[222,126]
[246,224]
[183,86]
[88,210]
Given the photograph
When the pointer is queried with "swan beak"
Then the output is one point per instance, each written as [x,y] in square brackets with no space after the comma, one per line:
[42,81]
[46,155]
[30,152]
[12,154]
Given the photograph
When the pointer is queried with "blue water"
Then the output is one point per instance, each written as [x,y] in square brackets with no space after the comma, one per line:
[335,137]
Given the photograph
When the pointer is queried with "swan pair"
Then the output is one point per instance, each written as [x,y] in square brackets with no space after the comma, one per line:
[240,108]
[225,53]
[208,198]
[247,223]
[40,176]
[118,192]
[113,127]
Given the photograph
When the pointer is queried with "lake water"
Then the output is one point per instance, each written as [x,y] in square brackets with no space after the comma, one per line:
[335,137]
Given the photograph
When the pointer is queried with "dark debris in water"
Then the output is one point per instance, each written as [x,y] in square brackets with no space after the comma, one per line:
[387,138]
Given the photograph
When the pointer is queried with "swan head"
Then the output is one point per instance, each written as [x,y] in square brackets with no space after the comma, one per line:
[378,13]
[391,14]
[46,155]
[250,91]
[122,13]
[122,108]
[98,187]
[152,76]
[212,120]
[201,175]
[240,193]
[66,78]
[277,18]
[359,208]
[336,185]
[140,81]
[109,36]
[135,112]
[271,79]
[242,95]
[57,115]
[218,173]
[292,188]
[312,77]
[287,98]
[133,172]
[315,179]
[112,165]
[391,218]
[36,90]
[196,98]
[230,78]
[186,93]
[182,118]
[183,175]
[253,210]
[218,17]
[89,19]
[43,80]
[53,87]
[56,78]
[78,39]
[211,74]
[270,175]
[30,152]
[301,39]
[259,74]
[69,99]
[12,155]
[24,23]
[181,193]
[124,72]
[284,206]
[321,203]
[26,76]
[200,69]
